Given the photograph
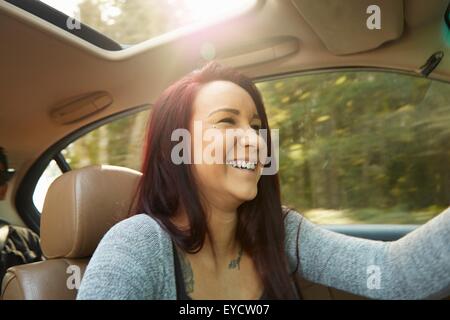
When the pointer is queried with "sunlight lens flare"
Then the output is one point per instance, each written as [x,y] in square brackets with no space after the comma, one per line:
[133,21]
[209,10]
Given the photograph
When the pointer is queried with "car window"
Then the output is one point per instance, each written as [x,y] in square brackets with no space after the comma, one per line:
[116,143]
[48,176]
[362,146]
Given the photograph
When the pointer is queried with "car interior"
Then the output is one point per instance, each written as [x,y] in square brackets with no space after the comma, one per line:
[58,84]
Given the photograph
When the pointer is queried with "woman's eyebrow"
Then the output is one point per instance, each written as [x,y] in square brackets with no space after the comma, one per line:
[235,111]
[232,110]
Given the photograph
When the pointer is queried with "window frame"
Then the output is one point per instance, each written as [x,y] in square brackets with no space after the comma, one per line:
[24,195]
[285,75]
[59,19]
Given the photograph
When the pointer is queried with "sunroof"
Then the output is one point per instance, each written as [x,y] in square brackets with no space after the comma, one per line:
[129,22]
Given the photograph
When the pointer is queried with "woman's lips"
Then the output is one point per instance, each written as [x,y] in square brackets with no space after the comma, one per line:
[243,164]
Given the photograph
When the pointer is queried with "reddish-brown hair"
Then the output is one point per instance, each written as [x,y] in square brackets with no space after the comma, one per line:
[167,188]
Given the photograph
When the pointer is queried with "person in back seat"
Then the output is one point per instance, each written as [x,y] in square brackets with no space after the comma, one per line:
[18,245]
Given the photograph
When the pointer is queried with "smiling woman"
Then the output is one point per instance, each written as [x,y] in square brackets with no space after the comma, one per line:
[132,22]
[219,231]
[216,209]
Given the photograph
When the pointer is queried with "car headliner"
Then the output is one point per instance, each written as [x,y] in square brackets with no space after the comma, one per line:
[42,65]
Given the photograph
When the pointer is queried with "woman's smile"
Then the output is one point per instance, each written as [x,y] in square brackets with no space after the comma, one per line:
[242,165]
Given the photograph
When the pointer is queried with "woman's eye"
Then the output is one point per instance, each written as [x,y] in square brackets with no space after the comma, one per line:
[227,120]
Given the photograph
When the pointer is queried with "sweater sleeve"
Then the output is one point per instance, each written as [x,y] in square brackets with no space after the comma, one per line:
[124,266]
[416,266]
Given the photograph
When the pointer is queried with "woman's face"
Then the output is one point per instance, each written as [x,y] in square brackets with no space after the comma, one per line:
[229,124]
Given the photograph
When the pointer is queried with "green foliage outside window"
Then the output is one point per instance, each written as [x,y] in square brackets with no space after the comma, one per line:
[362,147]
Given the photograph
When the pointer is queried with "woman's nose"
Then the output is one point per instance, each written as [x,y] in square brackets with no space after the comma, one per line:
[249,144]
[249,138]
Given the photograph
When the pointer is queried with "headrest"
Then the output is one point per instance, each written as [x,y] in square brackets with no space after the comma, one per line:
[82,205]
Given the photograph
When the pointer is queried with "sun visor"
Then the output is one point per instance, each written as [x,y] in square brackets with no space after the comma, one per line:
[352,26]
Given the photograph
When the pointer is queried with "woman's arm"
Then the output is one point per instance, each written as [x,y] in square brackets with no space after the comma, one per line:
[416,266]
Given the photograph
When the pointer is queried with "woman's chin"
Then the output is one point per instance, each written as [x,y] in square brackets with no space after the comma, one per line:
[246,194]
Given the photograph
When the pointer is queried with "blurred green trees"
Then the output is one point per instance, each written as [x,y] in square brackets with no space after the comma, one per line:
[370,145]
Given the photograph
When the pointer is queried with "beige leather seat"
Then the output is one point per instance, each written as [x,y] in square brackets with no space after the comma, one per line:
[80,207]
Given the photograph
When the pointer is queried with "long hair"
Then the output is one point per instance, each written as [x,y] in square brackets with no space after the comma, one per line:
[167,188]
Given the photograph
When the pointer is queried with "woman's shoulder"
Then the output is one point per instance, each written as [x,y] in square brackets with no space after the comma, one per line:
[292,219]
[130,262]
[137,231]
[141,221]
[138,240]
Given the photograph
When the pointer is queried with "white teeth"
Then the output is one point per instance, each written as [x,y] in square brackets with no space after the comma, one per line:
[241,164]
